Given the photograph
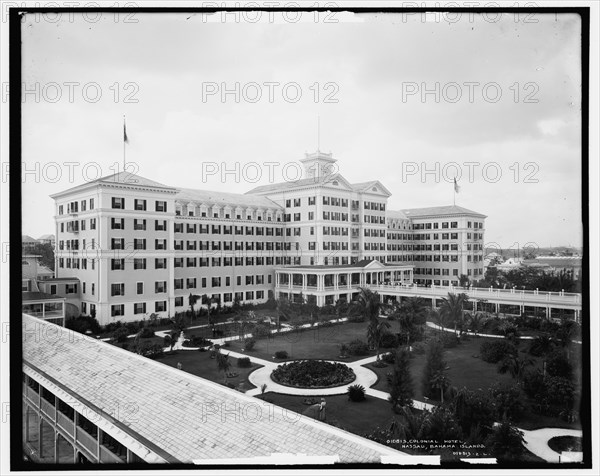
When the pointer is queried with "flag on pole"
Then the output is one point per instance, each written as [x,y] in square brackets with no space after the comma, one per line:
[456,187]
[125,133]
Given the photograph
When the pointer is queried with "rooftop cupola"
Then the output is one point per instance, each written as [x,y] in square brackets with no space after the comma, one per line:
[318,164]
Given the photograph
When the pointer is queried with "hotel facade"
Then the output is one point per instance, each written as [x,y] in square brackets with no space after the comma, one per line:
[139,247]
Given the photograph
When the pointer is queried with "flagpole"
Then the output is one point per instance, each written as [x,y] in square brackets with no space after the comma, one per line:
[124,143]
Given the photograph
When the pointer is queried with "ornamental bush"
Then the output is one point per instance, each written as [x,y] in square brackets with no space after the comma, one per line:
[388,341]
[358,347]
[493,352]
[313,374]
[356,393]
[249,344]
[281,354]
[244,362]
[146,333]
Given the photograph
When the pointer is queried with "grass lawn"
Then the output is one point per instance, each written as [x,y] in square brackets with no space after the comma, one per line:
[359,418]
[314,343]
[355,417]
[201,365]
[465,370]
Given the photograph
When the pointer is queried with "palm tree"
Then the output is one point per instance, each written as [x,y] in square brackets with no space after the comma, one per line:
[410,313]
[476,320]
[452,308]
[369,303]
[171,340]
[441,382]
[514,366]
[375,333]
[192,300]
[223,364]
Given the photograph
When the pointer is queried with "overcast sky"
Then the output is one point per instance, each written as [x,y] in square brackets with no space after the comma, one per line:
[524,146]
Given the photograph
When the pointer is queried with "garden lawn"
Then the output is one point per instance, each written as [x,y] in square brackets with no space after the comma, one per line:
[201,365]
[466,370]
[314,343]
[356,417]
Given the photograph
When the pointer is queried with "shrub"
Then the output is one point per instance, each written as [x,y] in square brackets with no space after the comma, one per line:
[146,333]
[356,393]
[557,365]
[389,341]
[534,385]
[388,357]
[419,348]
[83,324]
[121,334]
[494,351]
[358,347]
[540,345]
[244,362]
[260,330]
[281,354]
[508,401]
[450,340]
[249,344]
[150,350]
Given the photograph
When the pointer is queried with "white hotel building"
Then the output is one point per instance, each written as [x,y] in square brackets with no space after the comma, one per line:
[140,247]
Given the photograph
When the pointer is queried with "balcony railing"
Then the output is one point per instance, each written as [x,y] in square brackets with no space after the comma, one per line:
[65,423]
[87,441]
[107,456]
[47,407]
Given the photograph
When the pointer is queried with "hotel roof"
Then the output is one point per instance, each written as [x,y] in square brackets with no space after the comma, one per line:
[305,182]
[122,178]
[186,418]
[224,198]
[439,211]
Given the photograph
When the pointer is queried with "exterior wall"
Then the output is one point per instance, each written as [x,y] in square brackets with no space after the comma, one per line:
[447,247]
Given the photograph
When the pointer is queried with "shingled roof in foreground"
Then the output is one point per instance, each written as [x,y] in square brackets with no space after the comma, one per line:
[189,418]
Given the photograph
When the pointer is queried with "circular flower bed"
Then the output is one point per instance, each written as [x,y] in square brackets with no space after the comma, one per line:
[565,443]
[313,374]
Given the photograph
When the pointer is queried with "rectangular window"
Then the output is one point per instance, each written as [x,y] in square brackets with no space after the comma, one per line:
[161,206]
[117,243]
[139,224]
[160,244]
[160,306]
[139,243]
[139,308]
[116,310]
[139,263]
[117,289]
[117,264]
[139,204]
[139,287]
[160,225]
[118,203]
[117,223]
[160,287]
[160,263]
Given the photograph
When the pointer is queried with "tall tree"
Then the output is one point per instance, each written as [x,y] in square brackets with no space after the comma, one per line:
[375,333]
[410,314]
[400,381]
[434,365]
[452,308]
[369,303]
[515,366]
[192,300]
[223,363]
[506,442]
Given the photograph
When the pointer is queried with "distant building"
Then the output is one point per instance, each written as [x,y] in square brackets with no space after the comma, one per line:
[44,306]
[557,264]
[28,243]
[48,239]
